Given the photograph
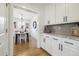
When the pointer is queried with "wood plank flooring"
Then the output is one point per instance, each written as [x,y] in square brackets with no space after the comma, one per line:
[27,49]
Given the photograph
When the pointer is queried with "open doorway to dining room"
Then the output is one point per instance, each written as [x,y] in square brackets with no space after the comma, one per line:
[26,33]
[22,30]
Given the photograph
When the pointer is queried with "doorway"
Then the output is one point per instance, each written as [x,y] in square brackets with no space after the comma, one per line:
[26,21]
[22,32]
[14,19]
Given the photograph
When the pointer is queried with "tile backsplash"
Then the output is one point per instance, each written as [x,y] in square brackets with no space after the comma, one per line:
[62,29]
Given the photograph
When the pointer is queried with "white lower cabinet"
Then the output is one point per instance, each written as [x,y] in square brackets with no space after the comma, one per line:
[70,48]
[69,51]
[43,43]
[55,46]
[60,46]
[48,45]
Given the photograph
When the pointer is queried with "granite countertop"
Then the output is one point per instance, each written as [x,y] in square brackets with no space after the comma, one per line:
[63,36]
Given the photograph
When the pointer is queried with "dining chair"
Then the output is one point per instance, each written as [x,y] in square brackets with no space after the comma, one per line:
[23,36]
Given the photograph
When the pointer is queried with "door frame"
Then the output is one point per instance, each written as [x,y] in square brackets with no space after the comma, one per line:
[10,18]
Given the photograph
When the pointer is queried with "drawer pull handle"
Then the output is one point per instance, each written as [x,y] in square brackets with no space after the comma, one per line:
[59,46]
[55,39]
[69,43]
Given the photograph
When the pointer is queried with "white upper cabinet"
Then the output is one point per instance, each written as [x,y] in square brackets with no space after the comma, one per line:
[60,13]
[67,13]
[73,12]
[50,14]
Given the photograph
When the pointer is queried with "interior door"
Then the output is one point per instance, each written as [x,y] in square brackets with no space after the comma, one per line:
[3,39]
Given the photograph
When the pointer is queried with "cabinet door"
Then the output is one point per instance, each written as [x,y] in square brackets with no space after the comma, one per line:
[73,12]
[50,14]
[60,13]
[48,45]
[43,40]
[46,16]
[69,48]
[69,51]
[55,46]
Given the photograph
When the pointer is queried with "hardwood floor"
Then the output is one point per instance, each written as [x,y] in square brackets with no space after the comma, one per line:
[27,49]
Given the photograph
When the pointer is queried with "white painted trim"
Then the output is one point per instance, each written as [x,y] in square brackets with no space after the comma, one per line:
[10,28]
[26,9]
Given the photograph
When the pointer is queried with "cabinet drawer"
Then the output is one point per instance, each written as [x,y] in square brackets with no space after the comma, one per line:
[72,43]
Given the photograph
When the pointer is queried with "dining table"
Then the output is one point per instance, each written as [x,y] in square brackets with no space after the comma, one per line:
[18,34]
